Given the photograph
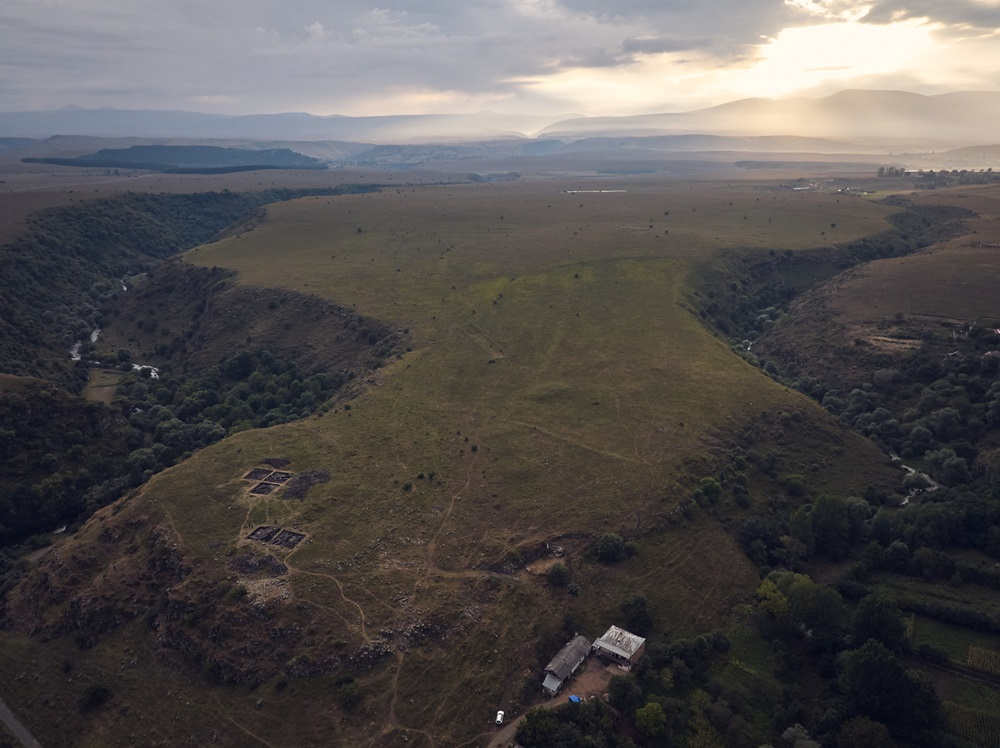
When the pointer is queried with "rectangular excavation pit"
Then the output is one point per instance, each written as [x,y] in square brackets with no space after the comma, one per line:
[287,538]
[264,533]
[278,476]
[257,474]
[263,488]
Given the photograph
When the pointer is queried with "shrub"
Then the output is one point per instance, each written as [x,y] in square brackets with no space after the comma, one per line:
[710,488]
[558,575]
[794,484]
[610,548]
[637,616]
[94,698]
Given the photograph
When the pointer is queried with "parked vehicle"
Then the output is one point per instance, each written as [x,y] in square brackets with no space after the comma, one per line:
[500,717]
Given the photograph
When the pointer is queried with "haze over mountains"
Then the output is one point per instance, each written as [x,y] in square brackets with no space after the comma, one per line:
[859,116]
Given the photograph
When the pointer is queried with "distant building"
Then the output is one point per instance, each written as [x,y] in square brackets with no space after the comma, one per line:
[565,663]
[620,646]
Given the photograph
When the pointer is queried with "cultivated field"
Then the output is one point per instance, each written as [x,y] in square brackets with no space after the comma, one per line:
[558,387]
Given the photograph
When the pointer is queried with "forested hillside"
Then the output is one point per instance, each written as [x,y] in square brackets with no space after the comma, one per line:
[57,277]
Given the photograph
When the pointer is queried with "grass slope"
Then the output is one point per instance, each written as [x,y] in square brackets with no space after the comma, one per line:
[558,389]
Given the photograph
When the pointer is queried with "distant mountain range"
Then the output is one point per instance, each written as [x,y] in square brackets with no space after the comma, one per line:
[862,117]
[955,118]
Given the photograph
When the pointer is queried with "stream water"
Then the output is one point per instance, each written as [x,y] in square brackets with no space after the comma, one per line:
[95,334]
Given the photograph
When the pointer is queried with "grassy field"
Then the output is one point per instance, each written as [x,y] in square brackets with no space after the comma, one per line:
[101,385]
[954,640]
[974,596]
[557,388]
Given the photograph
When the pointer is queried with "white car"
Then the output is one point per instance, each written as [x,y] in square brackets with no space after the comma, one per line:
[500,717]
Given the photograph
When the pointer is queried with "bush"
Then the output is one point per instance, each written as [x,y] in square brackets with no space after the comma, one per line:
[558,575]
[794,484]
[348,694]
[710,488]
[94,698]
[610,549]
[637,616]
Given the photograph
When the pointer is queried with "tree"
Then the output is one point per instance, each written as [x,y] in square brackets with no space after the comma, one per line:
[94,698]
[637,617]
[831,524]
[876,685]
[879,618]
[558,575]
[710,488]
[862,732]
[897,556]
[610,548]
[651,720]
[816,607]
[624,693]
[772,603]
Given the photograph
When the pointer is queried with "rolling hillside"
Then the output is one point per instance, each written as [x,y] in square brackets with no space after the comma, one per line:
[558,388]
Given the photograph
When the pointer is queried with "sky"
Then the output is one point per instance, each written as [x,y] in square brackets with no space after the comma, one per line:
[542,57]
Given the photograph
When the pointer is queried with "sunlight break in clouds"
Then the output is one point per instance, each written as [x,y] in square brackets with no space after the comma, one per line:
[808,56]
[796,59]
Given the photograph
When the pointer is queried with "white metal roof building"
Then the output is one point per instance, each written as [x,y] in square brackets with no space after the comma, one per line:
[620,646]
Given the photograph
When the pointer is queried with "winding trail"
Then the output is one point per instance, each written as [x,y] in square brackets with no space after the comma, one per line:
[430,569]
[238,726]
[340,587]
[17,728]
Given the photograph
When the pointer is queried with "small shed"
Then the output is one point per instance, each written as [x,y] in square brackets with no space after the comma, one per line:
[620,646]
[565,663]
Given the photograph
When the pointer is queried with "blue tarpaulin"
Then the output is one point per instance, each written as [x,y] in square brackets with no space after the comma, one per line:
[575,699]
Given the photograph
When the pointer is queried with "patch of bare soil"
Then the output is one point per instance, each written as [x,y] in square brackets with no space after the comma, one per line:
[541,566]
[298,486]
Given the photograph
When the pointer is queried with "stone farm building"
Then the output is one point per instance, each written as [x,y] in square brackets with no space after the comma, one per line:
[565,663]
[620,646]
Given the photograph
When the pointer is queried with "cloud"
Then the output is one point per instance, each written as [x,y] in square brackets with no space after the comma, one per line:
[659,44]
[349,57]
[316,31]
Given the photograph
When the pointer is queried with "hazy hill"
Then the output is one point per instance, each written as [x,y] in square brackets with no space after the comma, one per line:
[957,117]
[283,126]
[898,119]
[189,158]
[11,143]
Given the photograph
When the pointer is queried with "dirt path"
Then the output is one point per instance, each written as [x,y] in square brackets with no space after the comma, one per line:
[591,681]
[577,443]
[340,587]
[17,728]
